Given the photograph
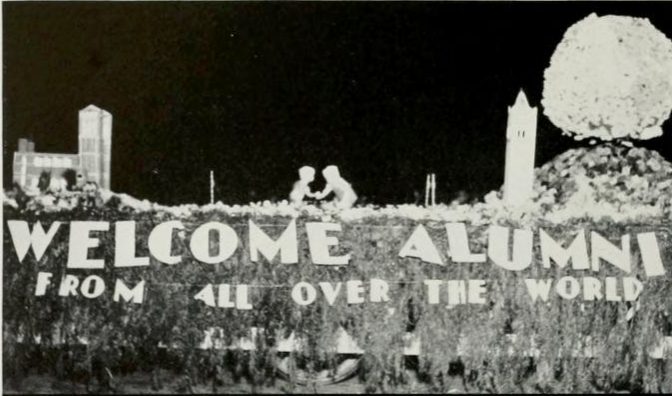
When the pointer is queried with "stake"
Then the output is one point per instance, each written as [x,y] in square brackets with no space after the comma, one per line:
[212,187]
[433,189]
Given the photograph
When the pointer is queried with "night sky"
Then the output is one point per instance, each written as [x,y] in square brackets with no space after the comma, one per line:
[386,91]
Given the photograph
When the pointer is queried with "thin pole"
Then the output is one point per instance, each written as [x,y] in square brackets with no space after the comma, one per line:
[433,189]
[427,191]
[212,187]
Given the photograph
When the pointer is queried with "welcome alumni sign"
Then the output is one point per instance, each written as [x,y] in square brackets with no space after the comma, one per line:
[586,255]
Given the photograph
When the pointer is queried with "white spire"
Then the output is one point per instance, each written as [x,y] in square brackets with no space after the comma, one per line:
[91,107]
[521,139]
[521,100]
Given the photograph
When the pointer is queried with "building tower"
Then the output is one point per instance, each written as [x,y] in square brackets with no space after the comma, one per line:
[521,140]
[95,144]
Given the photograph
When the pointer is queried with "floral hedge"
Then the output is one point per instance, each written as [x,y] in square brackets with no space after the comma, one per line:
[123,332]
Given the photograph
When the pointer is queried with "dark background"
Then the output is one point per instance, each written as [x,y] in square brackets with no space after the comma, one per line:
[386,91]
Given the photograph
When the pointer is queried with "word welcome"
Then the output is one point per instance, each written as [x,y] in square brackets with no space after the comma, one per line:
[419,245]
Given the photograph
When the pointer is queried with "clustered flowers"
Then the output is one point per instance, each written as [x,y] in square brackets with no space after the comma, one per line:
[610,78]
[604,181]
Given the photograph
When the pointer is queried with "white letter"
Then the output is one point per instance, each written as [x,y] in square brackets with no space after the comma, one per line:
[459,244]
[648,246]
[200,242]
[329,291]
[379,289]
[43,280]
[286,244]
[610,289]
[592,289]
[538,288]
[68,286]
[577,251]
[319,243]
[297,294]
[498,248]
[160,242]
[23,239]
[224,296]
[603,249]
[242,301]
[135,296]
[476,291]
[420,245]
[568,287]
[124,251]
[81,242]
[98,286]
[457,292]
[632,287]
[355,290]
[432,290]
[207,295]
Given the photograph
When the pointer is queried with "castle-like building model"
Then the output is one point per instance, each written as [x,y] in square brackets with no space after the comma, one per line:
[521,140]
[93,161]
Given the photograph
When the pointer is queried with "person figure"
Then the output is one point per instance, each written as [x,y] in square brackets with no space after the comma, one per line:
[345,196]
[301,187]
[54,186]
[80,181]
[90,197]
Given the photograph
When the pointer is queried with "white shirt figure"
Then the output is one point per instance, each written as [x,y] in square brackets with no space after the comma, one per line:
[345,196]
[301,187]
[54,185]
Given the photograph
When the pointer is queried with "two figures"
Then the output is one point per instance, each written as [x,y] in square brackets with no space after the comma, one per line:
[345,196]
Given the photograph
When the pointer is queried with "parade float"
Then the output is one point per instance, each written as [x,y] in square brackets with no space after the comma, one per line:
[561,281]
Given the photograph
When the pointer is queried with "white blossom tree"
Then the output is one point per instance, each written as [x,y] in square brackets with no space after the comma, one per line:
[610,78]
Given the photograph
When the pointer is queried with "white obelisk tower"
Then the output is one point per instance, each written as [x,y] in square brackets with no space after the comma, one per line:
[521,140]
[95,144]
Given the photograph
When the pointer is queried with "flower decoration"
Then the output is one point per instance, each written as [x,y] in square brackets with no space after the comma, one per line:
[610,78]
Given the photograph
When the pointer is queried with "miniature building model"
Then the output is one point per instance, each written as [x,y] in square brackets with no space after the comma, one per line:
[521,139]
[93,159]
[95,141]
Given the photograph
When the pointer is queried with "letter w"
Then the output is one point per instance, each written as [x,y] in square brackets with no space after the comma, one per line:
[23,239]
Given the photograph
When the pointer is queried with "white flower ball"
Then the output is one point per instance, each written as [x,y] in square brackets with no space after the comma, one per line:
[610,78]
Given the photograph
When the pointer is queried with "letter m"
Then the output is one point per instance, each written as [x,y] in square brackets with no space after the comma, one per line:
[135,295]
[577,251]
[23,239]
[286,244]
